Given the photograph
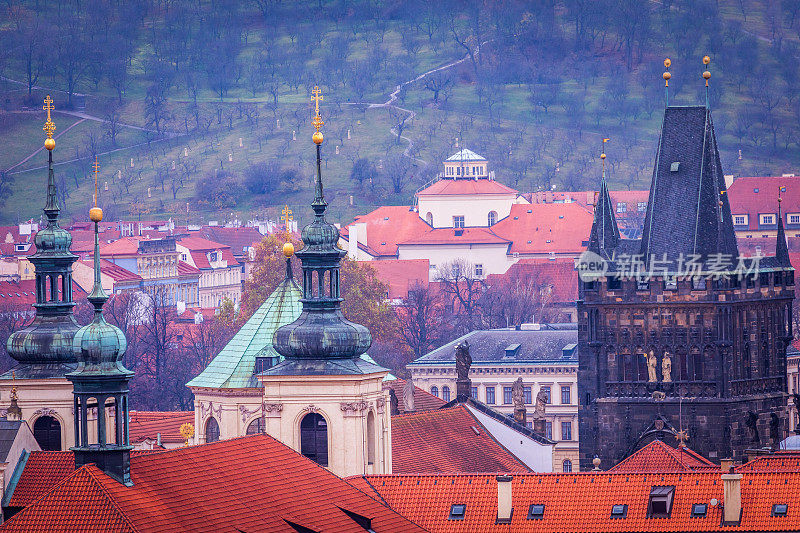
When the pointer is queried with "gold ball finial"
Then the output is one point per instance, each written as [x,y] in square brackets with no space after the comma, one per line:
[667,76]
[706,60]
[317,138]
[288,250]
[50,144]
[95,214]
[602,156]
[667,63]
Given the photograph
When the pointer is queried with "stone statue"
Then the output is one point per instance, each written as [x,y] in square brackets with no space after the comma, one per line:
[539,407]
[666,368]
[775,432]
[518,395]
[651,367]
[751,422]
[393,404]
[463,361]
[408,396]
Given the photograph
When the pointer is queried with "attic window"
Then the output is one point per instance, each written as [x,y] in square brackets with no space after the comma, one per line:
[780,509]
[457,511]
[530,210]
[755,190]
[383,244]
[536,511]
[674,166]
[660,504]
[699,510]
[619,510]
[385,218]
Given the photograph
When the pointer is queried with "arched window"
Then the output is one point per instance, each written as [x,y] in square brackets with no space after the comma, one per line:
[566,466]
[492,218]
[446,393]
[314,438]
[371,438]
[429,218]
[212,430]
[47,432]
[256,426]
[435,391]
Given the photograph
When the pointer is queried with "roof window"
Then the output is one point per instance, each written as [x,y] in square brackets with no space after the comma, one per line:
[619,510]
[755,190]
[699,510]
[536,511]
[780,509]
[457,511]
[675,166]
[660,505]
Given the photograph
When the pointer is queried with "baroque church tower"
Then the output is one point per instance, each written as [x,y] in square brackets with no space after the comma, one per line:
[679,337]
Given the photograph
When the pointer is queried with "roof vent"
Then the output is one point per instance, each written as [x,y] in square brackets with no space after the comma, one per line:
[476,430]
[675,166]
[511,351]
[530,210]
[699,510]
[755,190]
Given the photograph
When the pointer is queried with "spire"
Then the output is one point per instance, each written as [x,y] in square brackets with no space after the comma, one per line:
[605,233]
[320,332]
[666,76]
[781,249]
[98,296]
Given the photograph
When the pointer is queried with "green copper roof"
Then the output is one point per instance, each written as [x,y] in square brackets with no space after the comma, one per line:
[234,366]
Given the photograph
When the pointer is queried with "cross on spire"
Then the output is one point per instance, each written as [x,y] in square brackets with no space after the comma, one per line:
[317,98]
[286,216]
[96,167]
[49,126]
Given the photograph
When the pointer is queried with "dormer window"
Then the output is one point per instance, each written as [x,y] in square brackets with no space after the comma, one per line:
[622,207]
[767,220]
[212,256]
[660,505]
[739,220]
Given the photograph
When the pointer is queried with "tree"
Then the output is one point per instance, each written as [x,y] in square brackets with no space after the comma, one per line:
[268,270]
[462,290]
[263,177]
[438,82]
[365,298]
[521,295]
[396,168]
[112,124]
[158,337]
[363,170]
[420,319]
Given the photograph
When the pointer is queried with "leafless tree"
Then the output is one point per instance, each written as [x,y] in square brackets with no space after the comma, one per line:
[462,289]
[420,319]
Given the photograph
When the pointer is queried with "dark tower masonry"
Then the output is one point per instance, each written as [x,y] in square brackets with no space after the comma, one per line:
[676,332]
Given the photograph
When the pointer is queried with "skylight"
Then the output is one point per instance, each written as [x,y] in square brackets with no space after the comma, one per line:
[699,510]
[457,511]
[675,166]
[619,510]
[536,511]
[780,509]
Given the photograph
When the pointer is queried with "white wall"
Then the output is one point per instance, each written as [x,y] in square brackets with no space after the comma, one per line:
[493,257]
[536,456]
[474,208]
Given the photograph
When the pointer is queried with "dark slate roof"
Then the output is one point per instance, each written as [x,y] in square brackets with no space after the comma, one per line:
[39,371]
[320,367]
[605,236]
[683,212]
[546,345]
[8,432]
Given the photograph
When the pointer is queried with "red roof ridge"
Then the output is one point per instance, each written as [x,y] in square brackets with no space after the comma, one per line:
[100,477]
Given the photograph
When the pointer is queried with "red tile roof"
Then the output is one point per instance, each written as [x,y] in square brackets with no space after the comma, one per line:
[198,248]
[401,274]
[185,269]
[462,236]
[544,228]
[759,195]
[123,246]
[447,441]
[116,272]
[148,424]
[251,483]
[783,461]
[447,186]
[22,294]
[237,238]
[659,457]
[387,226]
[560,273]
[581,502]
[423,400]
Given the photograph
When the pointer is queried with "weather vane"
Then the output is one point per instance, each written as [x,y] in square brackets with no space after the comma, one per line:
[49,126]
[286,217]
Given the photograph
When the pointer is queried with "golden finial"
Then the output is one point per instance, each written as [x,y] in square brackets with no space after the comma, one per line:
[667,75]
[603,155]
[682,436]
[187,432]
[286,217]
[706,73]
[288,250]
[317,122]
[95,213]
[14,388]
[49,126]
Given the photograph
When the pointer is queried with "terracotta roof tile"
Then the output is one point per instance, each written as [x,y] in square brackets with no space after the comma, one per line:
[759,195]
[387,226]
[544,228]
[658,456]
[559,273]
[581,502]
[116,272]
[401,274]
[462,236]
[447,441]
[123,246]
[788,461]
[423,400]
[457,187]
[148,424]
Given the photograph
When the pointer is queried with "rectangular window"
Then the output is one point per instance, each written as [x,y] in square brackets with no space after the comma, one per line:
[546,390]
[507,398]
[622,207]
[490,395]
[566,430]
[458,221]
[767,219]
[641,206]
[565,395]
[474,393]
[528,395]
[739,220]
[548,430]
[793,219]
[478,270]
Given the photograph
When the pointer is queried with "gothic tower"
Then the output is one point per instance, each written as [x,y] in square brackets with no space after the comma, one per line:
[43,350]
[100,383]
[679,337]
[329,403]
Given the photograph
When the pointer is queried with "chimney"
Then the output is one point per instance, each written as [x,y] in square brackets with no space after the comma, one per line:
[726,466]
[158,439]
[732,499]
[505,508]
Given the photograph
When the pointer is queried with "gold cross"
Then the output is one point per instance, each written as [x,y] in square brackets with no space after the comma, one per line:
[96,167]
[317,98]
[682,436]
[49,127]
[286,216]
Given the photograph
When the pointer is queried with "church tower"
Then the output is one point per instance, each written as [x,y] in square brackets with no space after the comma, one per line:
[680,337]
[328,403]
[101,382]
[44,348]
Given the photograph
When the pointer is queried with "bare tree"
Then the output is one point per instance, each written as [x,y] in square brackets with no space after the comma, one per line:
[420,319]
[463,289]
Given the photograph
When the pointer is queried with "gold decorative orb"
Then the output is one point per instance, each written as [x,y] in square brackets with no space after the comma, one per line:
[288,250]
[706,74]
[667,76]
[50,144]
[317,138]
[95,214]
[667,62]
[602,156]
[706,60]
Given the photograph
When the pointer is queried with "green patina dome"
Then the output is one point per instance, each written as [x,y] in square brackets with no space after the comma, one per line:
[99,347]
